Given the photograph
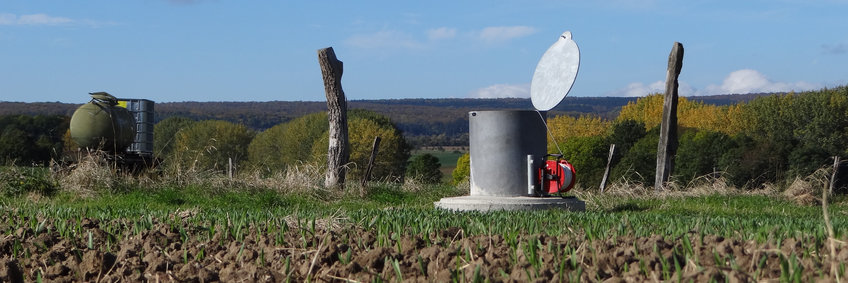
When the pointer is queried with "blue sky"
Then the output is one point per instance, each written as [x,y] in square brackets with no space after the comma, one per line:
[220,50]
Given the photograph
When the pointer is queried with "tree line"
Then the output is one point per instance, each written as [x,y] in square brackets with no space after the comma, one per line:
[766,140]
[210,145]
[424,122]
[31,140]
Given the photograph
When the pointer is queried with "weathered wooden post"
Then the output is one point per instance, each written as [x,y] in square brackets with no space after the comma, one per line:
[375,147]
[338,152]
[607,169]
[667,147]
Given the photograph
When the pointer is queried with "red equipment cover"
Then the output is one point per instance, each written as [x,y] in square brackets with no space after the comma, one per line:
[557,176]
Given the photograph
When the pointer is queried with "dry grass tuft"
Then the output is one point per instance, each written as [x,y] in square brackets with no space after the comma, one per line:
[91,174]
[624,188]
[302,178]
[806,191]
[295,179]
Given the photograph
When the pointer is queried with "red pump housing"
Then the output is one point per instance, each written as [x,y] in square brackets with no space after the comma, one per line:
[557,176]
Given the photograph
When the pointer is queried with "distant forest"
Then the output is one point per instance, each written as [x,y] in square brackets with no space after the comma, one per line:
[424,122]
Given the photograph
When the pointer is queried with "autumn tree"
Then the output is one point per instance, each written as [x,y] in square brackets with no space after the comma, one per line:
[288,143]
[208,145]
[463,169]
[565,127]
[304,140]
[363,126]
[647,110]
[164,134]
[691,114]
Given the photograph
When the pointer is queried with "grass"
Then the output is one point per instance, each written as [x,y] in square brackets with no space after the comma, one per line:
[390,210]
[745,216]
[408,209]
[446,157]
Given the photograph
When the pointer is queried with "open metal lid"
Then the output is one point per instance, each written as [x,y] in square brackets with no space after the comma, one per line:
[555,73]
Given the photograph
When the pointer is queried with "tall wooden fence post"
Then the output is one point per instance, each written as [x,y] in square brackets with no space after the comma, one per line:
[606,170]
[338,152]
[667,146]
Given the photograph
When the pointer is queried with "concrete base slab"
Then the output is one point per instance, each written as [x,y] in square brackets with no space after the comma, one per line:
[490,203]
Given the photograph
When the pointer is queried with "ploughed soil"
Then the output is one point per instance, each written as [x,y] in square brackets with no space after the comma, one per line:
[329,253]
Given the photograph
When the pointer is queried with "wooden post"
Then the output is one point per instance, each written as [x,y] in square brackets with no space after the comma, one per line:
[338,152]
[374,149]
[230,167]
[833,175]
[606,170]
[667,146]
[827,223]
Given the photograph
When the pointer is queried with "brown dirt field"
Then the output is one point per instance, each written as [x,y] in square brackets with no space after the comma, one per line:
[354,254]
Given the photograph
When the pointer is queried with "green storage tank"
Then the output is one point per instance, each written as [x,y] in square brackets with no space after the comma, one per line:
[102,124]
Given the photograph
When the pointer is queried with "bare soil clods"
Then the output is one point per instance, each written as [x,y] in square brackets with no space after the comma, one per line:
[187,253]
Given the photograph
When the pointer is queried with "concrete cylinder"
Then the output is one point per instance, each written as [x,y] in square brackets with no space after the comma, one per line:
[500,142]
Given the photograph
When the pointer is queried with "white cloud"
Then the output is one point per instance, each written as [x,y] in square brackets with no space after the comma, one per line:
[33,20]
[502,91]
[384,39]
[640,89]
[737,82]
[501,34]
[751,81]
[7,19]
[441,33]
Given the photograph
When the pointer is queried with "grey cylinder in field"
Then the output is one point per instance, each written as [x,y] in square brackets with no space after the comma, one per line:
[500,142]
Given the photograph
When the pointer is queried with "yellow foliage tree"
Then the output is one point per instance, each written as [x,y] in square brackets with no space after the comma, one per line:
[363,126]
[647,110]
[208,145]
[565,127]
[690,114]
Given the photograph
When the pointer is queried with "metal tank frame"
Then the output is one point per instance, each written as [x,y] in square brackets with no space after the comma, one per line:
[143,111]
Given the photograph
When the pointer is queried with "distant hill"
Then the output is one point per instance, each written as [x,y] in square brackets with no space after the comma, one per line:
[442,121]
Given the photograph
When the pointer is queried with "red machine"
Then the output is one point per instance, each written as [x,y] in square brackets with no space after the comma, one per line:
[557,176]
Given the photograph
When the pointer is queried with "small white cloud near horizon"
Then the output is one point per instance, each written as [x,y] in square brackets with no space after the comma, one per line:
[33,20]
[640,89]
[384,39]
[441,33]
[505,33]
[737,82]
[502,91]
[752,81]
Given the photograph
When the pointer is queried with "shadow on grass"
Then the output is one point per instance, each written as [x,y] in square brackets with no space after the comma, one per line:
[628,207]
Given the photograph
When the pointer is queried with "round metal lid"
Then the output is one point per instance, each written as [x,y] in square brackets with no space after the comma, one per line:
[555,73]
